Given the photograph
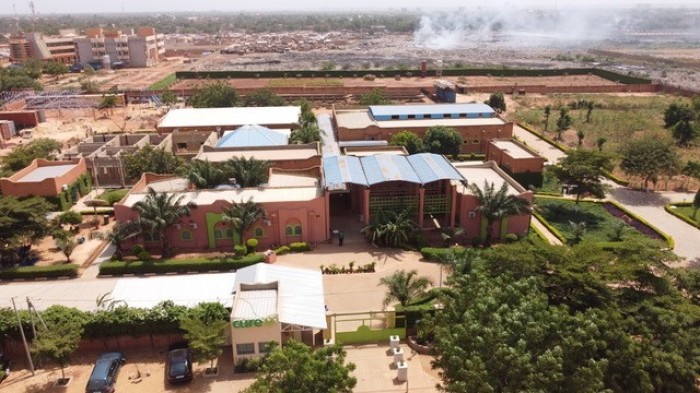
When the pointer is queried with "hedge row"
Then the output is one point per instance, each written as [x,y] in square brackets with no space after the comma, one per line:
[609,75]
[683,217]
[34,272]
[179,265]
[549,227]
[435,254]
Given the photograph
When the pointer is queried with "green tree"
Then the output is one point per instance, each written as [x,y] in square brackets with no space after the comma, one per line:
[696,204]
[677,112]
[120,233]
[67,246]
[168,98]
[307,113]
[297,368]
[495,205]
[56,69]
[22,156]
[263,97]
[150,159]
[216,95]
[22,222]
[580,135]
[497,101]
[205,338]
[443,140]
[58,341]
[409,140]
[70,218]
[90,86]
[547,114]
[391,229]
[158,212]
[242,216]
[249,172]
[584,169]
[590,105]
[564,121]
[205,174]
[684,132]
[404,287]
[600,142]
[107,103]
[690,170]
[375,97]
[648,158]
[307,133]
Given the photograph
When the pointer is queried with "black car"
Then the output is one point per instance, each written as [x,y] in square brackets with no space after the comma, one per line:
[179,365]
[104,374]
[4,366]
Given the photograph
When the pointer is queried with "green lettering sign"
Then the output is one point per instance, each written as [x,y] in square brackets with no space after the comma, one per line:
[247,323]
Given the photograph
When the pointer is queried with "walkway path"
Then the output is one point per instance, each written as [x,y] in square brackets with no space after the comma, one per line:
[94,269]
[546,232]
[648,205]
[330,145]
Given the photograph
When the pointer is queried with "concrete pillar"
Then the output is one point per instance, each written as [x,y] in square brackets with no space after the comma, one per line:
[421,207]
[327,215]
[365,205]
[453,205]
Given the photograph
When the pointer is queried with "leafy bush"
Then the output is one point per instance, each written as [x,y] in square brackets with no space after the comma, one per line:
[251,245]
[299,247]
[30,272]
[436,254]
[239,250]
[137,249]
[283,250]
[179,265]
[144,256]
[511,238]
[113,196]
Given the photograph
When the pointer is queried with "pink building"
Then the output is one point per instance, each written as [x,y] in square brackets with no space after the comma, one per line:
[43,178]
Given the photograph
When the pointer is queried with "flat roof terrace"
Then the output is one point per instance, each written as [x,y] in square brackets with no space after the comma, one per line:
[45,172]
[230,117]
[513,149]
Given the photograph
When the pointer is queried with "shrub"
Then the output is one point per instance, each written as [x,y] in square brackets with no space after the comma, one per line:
[113,196]
[30,272]
[239,250]
[251,245]
[476,241]
[144,256]
[137,249]
[179,265]
[437,254]
[511,238]
[299,247]
[282,250]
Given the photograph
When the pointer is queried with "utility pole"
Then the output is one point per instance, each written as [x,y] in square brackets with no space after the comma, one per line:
[24,338]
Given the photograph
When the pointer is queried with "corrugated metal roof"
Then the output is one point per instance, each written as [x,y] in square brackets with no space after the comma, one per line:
[253,304]
[433,167]
[252,135]
[300,294]
[46,172]
[81,294]
[428,109]
[382,168]
[341,170]
[189,290]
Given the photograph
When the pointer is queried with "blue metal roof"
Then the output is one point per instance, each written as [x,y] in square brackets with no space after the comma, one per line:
[429,109]
[253,135]
[433,167]
[382,168]
[341,170]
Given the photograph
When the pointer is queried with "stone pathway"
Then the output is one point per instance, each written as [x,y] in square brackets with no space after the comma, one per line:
[546,232]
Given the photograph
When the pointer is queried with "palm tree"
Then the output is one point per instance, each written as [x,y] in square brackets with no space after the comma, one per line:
[450,235]
[578,229]
[205,175]
[390,228]
[243,215]
[495,205]
[249,172]
[309,132]
[404,286]
[158,212]
[122,232]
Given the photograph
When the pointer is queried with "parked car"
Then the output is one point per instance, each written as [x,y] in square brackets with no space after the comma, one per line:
[104,374]
[179,365]
[4,366]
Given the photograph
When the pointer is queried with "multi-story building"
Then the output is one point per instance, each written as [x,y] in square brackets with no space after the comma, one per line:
[46,48]
[141,49]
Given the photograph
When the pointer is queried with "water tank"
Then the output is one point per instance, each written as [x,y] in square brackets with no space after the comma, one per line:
[106,62]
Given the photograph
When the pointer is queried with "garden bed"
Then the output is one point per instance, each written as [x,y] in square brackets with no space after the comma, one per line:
[684,211]
[182,266]
[643,228]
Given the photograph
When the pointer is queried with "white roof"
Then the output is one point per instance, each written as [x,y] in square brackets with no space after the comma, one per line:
[81,294]
[461,122]
[300,294]
[478,176]
[513,149]
[230,117]
[46,172]
[254,304]
[185,290]
[262,154]
[260,195]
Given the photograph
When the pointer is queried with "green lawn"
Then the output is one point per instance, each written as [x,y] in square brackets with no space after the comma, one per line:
[687,211]
[550,184]
[113,196]
[164,83]
[599,223]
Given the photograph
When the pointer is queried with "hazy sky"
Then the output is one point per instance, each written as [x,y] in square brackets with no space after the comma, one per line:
[73,6]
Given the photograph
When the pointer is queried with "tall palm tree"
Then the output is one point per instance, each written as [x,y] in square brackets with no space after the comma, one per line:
[158,212]
[243,215]
[120,233]
[249,172]
[307,133]
[404,286]
[495,205]
[204,174]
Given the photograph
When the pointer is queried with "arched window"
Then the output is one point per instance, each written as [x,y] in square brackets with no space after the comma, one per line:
[186,235]
[293,228]
[259,232]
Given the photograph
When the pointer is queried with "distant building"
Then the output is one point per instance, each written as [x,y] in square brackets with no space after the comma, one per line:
[45,178]
[44,48]
[520,162]
[144,48]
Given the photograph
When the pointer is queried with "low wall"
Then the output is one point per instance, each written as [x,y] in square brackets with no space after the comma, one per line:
[22,119]
[365,335]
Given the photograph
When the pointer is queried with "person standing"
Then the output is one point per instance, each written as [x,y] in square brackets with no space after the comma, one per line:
[341,237]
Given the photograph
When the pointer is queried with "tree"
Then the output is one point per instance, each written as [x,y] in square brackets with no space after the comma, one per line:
[696,204]
[578,229]
[547,114]
[584,169]
[108,102]
[404,287]
[216,95]
[70,218]
[684,132]
[158,212]
[307,113]
[243,215]
[307,133]
[22,156]
[690,170]
[677,112]
[580,135]
[375,97]
[67,246]
[590,105]
[409,140]
[58,341]
[564,121]
[205,174]
[56,69]
[298,368]
[263,97]
[391,229]
[443,140]
[22,222]
[495,205]
[600,142]
[168,98]
[205,338]
[249,172]
[497,101]
[648,158]
[90,86]
[150,159]
[121,232]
